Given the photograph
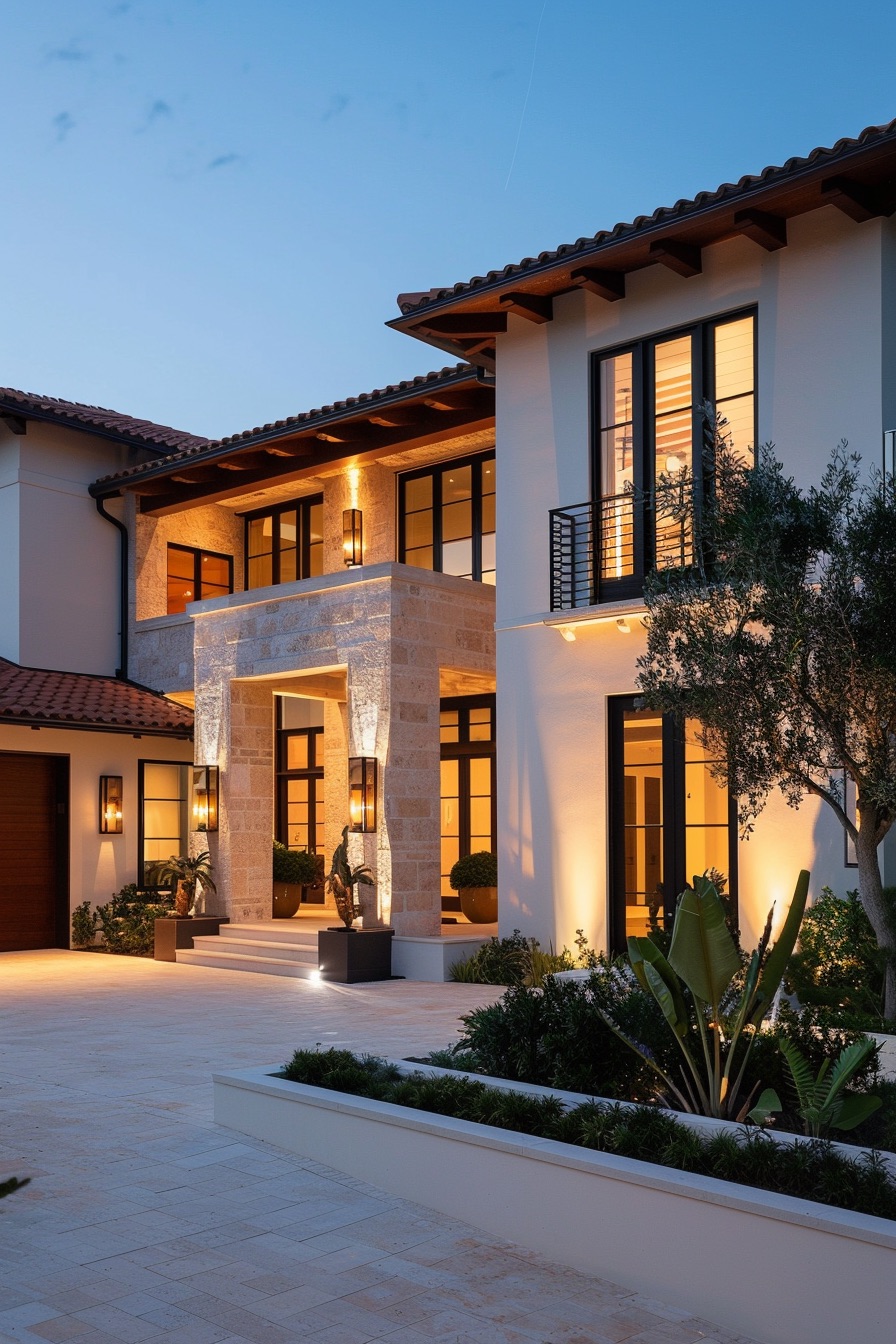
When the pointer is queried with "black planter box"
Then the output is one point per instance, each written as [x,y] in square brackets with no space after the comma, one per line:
[350,956]
[174,934]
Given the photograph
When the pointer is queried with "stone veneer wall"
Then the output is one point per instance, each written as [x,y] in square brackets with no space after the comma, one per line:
[392,628]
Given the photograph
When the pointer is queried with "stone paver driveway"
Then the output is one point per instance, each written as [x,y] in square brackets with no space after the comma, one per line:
[144,1221]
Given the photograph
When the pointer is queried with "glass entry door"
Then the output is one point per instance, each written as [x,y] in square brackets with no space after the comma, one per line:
[467,735]
[669,818]
[300,780]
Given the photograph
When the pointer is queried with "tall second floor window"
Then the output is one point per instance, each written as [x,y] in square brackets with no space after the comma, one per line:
[447,518]
[648,467]
[285,543]
[194,574]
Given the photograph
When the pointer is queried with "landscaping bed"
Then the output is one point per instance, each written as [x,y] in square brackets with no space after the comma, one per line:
[608,1212]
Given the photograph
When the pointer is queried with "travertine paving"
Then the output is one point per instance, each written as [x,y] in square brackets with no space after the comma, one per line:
[144,1221]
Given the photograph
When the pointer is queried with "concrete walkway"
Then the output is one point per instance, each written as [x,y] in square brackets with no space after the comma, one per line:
[144,1221]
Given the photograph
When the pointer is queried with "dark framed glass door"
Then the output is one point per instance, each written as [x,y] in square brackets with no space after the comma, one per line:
[669,818]
[468,804]
[300,811]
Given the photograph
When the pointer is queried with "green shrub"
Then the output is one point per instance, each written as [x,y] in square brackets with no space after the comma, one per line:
[807,1170]
[83,925]
[556,1036]
[295,867]
[838,963]
[511,961]
[475,870]
[127,922]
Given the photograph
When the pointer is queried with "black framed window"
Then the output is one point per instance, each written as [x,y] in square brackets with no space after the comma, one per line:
[468,803]
[647,414]
[194,574]
[163,813]
[669,818]
[446,518]
[285,543]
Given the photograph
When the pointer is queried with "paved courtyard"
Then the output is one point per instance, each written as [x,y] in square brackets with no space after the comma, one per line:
[145,1221]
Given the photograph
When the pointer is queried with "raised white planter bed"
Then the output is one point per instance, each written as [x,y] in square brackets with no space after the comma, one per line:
[783,1270]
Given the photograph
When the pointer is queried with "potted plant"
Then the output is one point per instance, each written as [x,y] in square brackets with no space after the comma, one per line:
[176,931]
[293,869]
[475,878]
[345,954]
[185,873]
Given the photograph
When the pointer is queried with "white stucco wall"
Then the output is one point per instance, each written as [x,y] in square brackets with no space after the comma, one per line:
[822,341]
[99,865]
[60,559]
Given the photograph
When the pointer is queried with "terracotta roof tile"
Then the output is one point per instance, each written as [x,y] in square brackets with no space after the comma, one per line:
[772,175]
[140,433]
[332,412]
[33,695]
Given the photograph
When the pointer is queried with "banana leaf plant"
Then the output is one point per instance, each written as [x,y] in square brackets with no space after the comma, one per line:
[693,988]
[822,1105]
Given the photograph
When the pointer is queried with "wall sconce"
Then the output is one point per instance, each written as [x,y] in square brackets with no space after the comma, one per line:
[352,537]
[205,798]
[362,793]
[110,804]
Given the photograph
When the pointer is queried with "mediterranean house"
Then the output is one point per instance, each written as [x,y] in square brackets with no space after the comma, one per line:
[773,298]
[314,601]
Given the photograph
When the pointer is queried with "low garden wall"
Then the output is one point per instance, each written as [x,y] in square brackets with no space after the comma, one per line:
[783,1270]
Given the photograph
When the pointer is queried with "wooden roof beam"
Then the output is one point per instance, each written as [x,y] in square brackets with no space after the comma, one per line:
[682,258]
[859,202]
[533,307]
[769,231]
[609,285]
[394,418]
[16,424]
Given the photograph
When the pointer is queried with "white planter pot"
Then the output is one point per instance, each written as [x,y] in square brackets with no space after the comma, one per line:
[783,1270]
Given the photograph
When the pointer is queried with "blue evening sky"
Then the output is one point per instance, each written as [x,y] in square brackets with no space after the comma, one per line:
[209,206]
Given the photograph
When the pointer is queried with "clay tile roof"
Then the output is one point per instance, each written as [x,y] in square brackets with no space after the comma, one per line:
[771,176]
[32,695]
[345,409]
[110,424]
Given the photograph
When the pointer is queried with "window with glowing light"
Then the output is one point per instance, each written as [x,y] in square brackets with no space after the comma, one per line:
[649,467]
[468,809]
[285,543]
[671,818]
[164,805]
[194,574]
[447,518]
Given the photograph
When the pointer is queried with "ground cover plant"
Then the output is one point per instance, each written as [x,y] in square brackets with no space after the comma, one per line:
[811,1169]
[519,961]
[126,923]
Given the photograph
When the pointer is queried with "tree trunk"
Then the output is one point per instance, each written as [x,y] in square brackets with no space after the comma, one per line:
[871,894]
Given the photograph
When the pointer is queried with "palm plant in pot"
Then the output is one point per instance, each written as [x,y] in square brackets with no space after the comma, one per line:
[342,880]
[475,878]
[185,873]
[293,869]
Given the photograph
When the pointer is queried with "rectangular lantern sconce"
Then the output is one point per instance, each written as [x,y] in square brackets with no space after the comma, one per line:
[352,537]
[205,797]
[110,804]
[362,793]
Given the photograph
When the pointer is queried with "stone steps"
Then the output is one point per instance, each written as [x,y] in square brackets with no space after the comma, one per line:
[280,947]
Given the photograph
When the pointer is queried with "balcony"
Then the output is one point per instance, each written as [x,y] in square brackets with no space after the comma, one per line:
[601,550]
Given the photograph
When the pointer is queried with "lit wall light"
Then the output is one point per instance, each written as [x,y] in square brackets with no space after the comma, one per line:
[205,798]
[352,537]
[362,793]
[110,804]
[568,633]
[623,626]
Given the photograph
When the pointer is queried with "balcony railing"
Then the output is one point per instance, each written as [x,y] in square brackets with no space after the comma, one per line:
[595,553]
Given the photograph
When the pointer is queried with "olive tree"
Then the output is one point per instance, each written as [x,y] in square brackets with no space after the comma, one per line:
[778,634]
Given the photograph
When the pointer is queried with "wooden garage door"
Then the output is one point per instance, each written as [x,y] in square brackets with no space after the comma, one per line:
[32,859]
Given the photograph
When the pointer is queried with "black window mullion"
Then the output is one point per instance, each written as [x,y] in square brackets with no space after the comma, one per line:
[437,521]
[476,517]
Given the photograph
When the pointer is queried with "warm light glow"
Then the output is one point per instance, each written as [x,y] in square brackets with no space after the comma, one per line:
[315,977]
[673,465]
[352,537]
[362,793]
[205,798]
[354,476]
[568,633]
[623,626]
[110,805]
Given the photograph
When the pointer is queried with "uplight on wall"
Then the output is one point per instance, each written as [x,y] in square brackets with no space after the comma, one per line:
[205,798]
[352,537]
[362,793]
[110,804]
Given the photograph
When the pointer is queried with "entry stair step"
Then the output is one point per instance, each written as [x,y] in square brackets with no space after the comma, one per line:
[277,948]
